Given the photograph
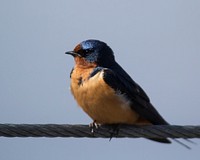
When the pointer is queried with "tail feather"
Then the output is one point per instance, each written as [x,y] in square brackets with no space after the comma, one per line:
[160,140]
[181,143]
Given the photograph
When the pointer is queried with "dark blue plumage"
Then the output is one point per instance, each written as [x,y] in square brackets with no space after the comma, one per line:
[98,52]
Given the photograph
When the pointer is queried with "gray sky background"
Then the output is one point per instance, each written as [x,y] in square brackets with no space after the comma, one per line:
[156,42]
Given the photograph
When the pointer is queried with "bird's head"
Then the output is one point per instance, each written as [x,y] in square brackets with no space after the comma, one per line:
[93,52]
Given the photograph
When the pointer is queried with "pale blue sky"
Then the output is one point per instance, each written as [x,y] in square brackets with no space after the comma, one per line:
[157,42]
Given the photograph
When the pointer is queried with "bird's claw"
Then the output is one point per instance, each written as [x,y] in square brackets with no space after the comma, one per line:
[114,131]
[114,128]
[93,126]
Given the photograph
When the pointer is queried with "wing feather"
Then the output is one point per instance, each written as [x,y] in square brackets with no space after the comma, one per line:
[119,80]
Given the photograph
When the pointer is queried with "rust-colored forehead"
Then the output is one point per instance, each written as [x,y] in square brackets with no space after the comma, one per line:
[77,48]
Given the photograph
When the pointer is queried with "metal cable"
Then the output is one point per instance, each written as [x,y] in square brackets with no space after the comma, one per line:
[105,131]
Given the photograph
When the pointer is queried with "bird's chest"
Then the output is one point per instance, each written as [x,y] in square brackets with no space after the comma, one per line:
[87,91]
[99,100]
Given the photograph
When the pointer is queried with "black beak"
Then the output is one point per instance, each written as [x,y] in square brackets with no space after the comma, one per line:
[74,54]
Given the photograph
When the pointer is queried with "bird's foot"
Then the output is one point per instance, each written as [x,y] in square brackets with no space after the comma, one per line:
[93,126]
[114,131]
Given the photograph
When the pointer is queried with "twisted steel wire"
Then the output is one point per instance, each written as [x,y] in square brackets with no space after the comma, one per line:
[104,131]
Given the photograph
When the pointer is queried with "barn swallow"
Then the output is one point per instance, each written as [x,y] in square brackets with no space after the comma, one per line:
[105,91]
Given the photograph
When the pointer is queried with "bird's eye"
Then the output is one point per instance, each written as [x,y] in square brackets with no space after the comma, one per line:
[87,50]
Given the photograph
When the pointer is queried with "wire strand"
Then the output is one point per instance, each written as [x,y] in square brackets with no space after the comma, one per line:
[80,131]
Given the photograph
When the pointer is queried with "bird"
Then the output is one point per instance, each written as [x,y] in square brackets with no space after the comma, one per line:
[106,92]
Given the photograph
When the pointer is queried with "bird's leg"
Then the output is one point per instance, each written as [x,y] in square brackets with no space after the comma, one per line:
[114,130]
[93,126]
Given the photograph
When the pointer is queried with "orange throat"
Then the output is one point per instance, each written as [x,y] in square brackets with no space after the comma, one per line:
[82,63]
